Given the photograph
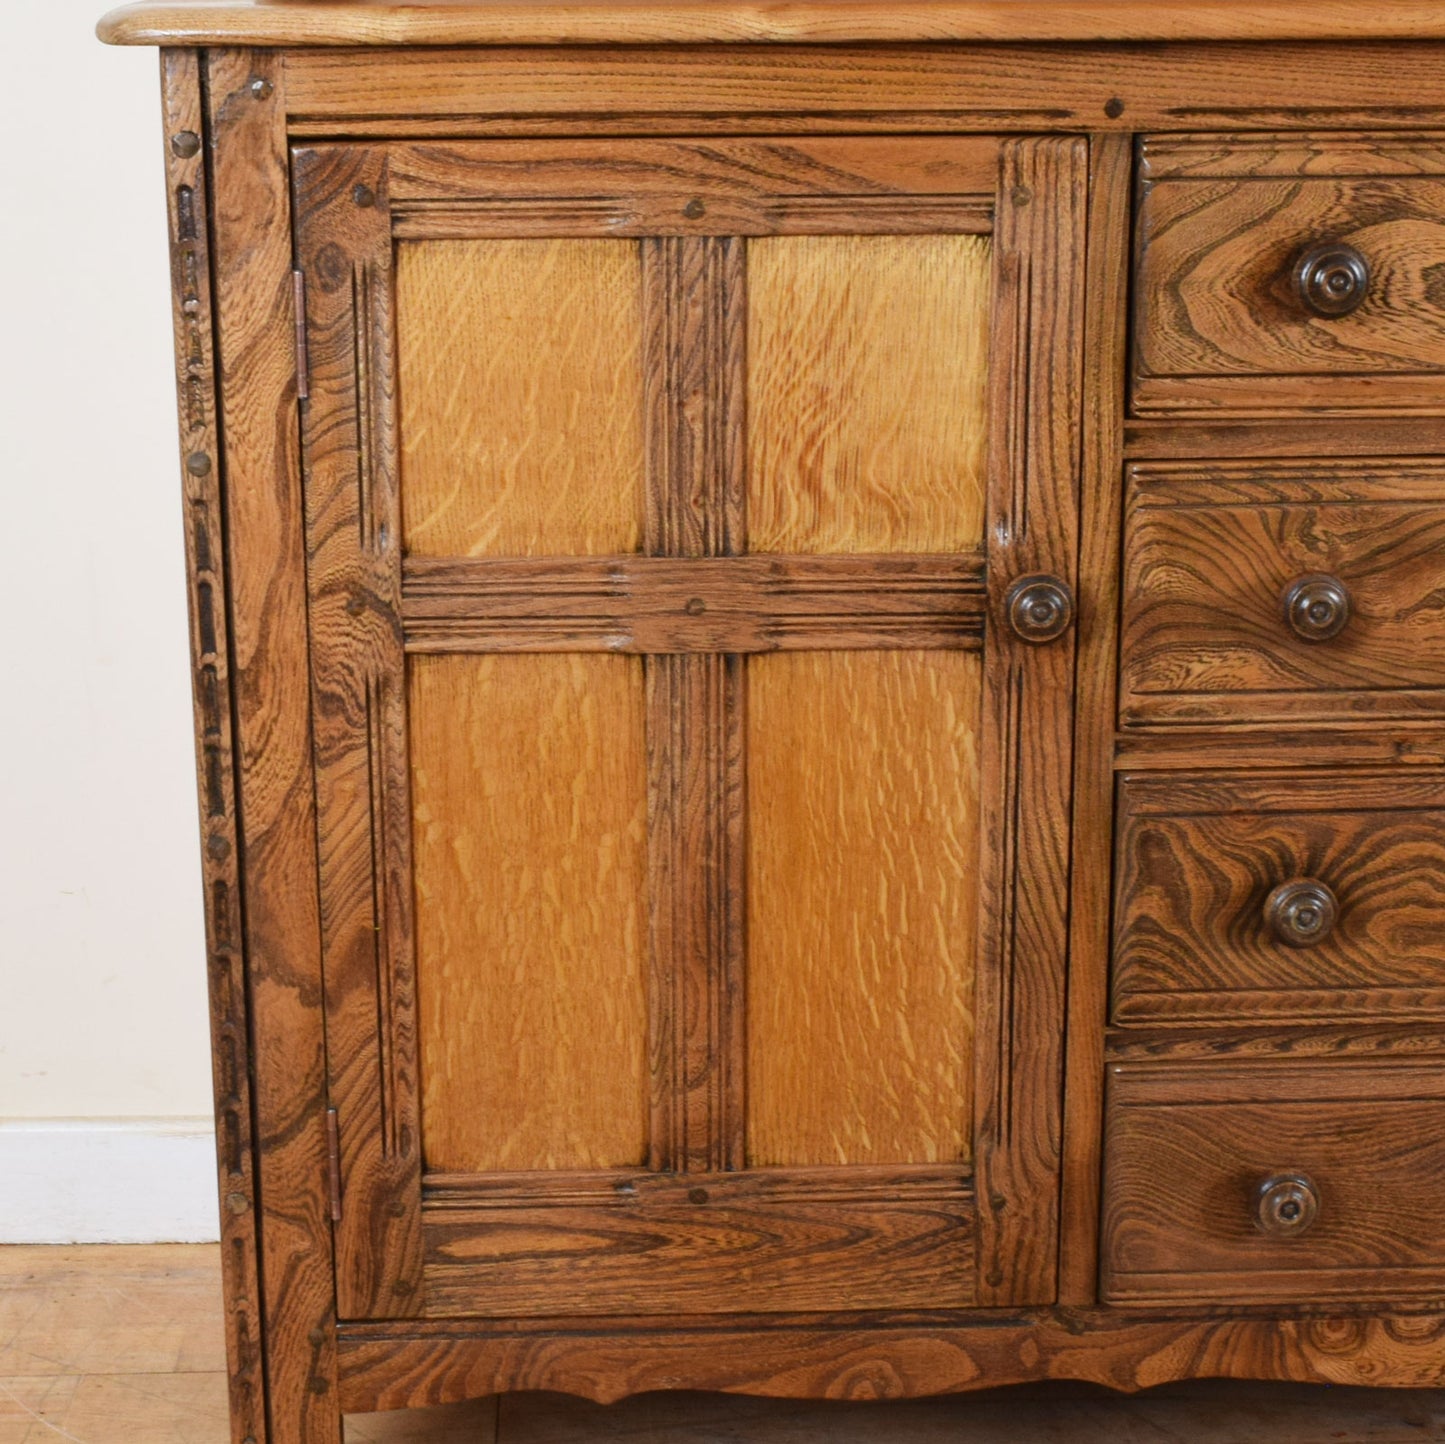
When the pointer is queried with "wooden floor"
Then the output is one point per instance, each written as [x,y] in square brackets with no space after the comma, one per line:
[123,1346]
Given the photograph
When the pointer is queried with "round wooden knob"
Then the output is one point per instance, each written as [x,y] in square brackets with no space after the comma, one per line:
[1040,608]
[1316,607]
[1286,1204]
[1301,912]
[1332,280]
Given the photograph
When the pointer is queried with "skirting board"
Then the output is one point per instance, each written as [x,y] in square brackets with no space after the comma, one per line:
[142,1180]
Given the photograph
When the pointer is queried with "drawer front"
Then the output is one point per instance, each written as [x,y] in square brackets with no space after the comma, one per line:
[1271,591]
[1291,272]
[1280,898]
[1274,1182]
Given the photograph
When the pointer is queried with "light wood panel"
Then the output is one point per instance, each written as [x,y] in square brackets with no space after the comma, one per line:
[529,795]
[867,374]
[521,397]
[862,901]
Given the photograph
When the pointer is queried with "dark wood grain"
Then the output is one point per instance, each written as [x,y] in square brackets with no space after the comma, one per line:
[861,1358]
[1209,552]
[1343,744]
[1027,759]
[265,553]
[1157,439]
[651,1245]
[852,89]
[359,725]
[1219,323]
[1198,858]
[188,212]
[719,604]
[1188,1145]
[1250,1040]
[1101,502]
[729,187]
[694,338]
[1291,154]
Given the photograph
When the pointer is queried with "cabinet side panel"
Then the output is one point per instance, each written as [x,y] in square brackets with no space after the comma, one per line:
[862,904]
[867,408]
[521,397]
[188,212]
[256,319]
[530,801]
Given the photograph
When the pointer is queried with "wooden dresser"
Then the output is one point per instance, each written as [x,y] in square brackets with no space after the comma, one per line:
[819,640]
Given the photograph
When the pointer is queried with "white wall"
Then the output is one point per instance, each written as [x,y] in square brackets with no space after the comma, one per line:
[102,979]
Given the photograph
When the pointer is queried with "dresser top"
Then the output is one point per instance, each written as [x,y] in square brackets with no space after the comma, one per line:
[591,22]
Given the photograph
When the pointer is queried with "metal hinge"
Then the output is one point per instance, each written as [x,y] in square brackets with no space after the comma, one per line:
[333,1161]
[303,368]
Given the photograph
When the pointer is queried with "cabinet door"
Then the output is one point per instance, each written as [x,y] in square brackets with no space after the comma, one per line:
[692,774]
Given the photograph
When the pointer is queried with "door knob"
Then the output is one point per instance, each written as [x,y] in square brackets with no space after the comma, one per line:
[1316,607]
[1286,1204]
[1040,608]
[1332,280]
[1301,912]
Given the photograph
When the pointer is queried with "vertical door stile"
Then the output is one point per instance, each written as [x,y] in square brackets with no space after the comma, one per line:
[359,724]
[1032,529]
[695,394]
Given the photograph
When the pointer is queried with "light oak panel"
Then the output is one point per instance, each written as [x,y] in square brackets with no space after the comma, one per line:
[521,397]
[867,376]
[862,904]
[529,797]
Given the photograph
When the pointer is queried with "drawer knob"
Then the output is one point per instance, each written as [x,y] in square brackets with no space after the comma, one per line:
[1040,608]
[1301,912]
[1286,1205]
[1316,607]
[1332,279]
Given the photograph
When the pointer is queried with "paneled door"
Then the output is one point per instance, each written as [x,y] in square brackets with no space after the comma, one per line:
[691,543]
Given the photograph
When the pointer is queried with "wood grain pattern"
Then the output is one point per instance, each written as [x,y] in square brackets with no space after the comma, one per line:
[251,227]
[1345,744]
[1187,1147]
[1209,552]
[694,322]
[1216,297]
[187,211]
[867,384]
[521,397]
[1036,405]
[164,22]
[772,89]
[661,605]
[1241,1040]
[1198,857]
[1158,439]
[725,188]
[1100,508]
[359,726]
[530,795]
[651,1245]
[862,907]
[1291,154]
[860,1358]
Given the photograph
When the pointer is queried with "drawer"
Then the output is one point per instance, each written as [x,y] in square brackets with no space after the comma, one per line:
[1280,898]
[1290,272]
[1274,1182]
[1258,592]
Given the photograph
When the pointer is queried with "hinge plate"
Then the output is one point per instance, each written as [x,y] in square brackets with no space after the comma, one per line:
[303,368]
[333,1161]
